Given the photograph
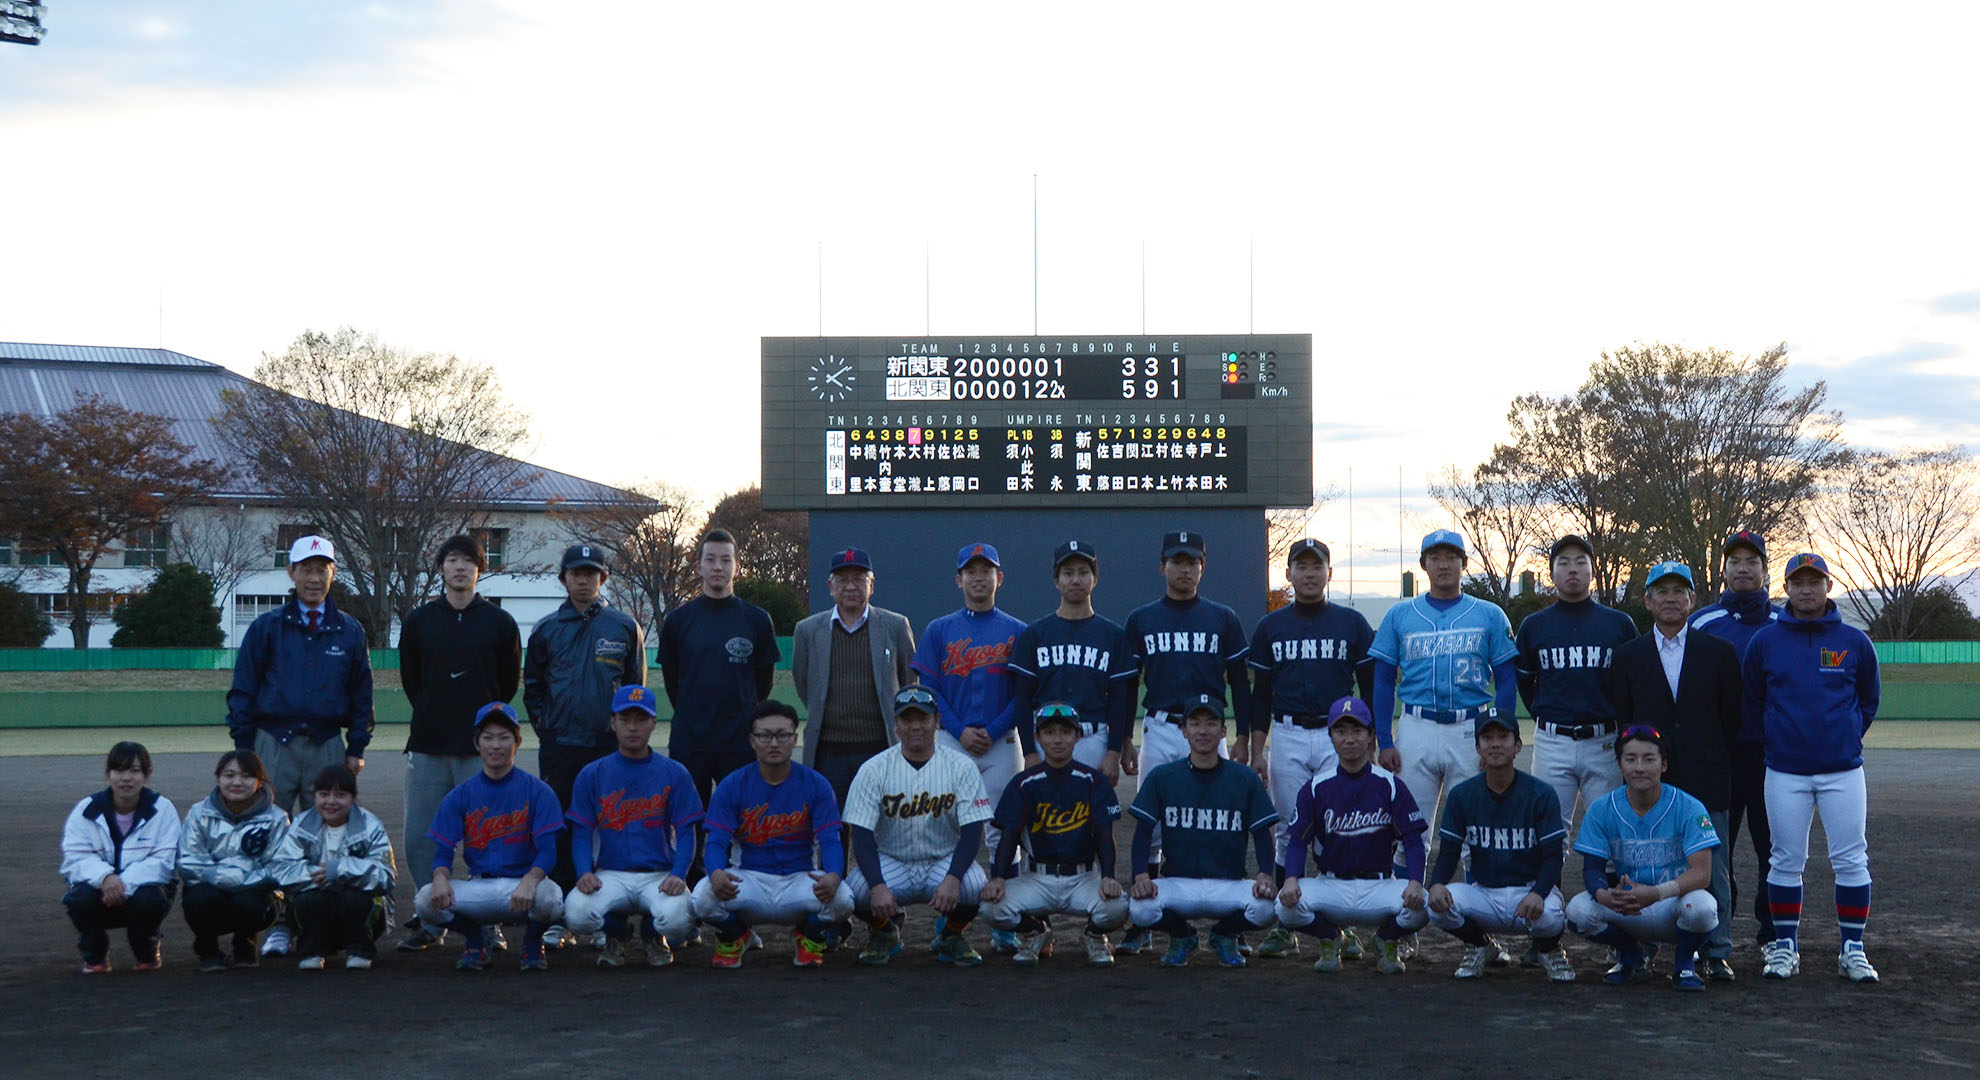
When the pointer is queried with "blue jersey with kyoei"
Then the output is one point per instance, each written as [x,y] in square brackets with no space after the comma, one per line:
[1506,833]
[1182,648]
[1651,848]
[1444,659]
[1206,816]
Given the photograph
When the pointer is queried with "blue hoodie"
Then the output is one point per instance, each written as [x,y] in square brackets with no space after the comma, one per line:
[1736,618]
[1812,684]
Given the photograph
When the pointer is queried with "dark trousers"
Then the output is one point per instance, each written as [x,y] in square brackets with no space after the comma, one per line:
[708,768]
[212,911]
[140,915]
[840,762]
[332,919]
[1749,803]
[558,766]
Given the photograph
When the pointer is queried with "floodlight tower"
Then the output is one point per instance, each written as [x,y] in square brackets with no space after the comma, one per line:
[21,21]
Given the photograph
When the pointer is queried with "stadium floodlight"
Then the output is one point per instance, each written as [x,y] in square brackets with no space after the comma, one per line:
[20,21]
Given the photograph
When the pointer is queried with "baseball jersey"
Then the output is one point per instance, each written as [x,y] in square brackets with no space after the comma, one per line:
[964,658]
[711,653]
[1351,823]
[1085,663]
[1506,833]
[1308,656]
[642,812]
[1187,647]
[917,812]
[776,824]
[504,826]
[1565,653]
[1059,812]
[1206,816]
[1650,848]
[1444,658]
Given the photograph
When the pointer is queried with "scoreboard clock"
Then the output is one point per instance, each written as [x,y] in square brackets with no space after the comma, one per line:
[871,423]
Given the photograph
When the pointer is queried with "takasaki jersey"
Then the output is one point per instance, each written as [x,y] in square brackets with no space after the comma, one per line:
[1505,832]
[917,812]
[1206,816]
[1444,659]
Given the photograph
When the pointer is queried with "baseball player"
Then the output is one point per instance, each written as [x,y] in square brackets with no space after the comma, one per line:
[1646,867]
[1352,818]
[1076,658]
[917,814]
[1511,822]
[1184,648]
[1811,683]
[642,808]
[1304,657]
[1744,608]
[1065,813]
[226,858]
[507,823]
[778,811]
[119,847]
[335,863]
[1205,805]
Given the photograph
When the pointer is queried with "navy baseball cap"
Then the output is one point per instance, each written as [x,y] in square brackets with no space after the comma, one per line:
[497,712]
[1182,543]
[1442,538]
[1670,569]
[1569,541]
[1075,549]
[1308,546]
[1745,538]
[635,697]
[1490,716]
[583,555]
[977,551]
[851,558]
[1209,703]
[915,698]
[1053,713]
[1350,708]
[1807,560]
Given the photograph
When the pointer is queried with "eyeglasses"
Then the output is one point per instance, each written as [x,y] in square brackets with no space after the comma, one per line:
[773,736]
[1057,710]
[1640,731]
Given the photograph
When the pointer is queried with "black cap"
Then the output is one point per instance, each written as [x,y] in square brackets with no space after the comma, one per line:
[583,555]
[1053,713]
[1199,702]
[1308,546]
[1490,716]
[1566,542]
[1182,543]
[915,698]
[1745,538]
[1074,549]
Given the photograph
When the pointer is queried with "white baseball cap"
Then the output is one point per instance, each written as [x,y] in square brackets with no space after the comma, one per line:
[312,547]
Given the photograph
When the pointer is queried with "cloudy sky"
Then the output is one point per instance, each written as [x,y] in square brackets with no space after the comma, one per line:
[611,202]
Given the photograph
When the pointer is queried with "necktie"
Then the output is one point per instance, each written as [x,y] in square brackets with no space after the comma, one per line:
[313,617]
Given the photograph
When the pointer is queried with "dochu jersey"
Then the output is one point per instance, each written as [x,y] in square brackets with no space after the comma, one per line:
[917,812]
[1206,816]
[503,826]
[1059,812]
[776,824]
[1183,648]
[642,812]
[1649,848]
[1444,659]
[1308,656]
[1506,833]
[1351,822]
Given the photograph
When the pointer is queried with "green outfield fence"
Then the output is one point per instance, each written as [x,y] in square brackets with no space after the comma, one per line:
[200,659]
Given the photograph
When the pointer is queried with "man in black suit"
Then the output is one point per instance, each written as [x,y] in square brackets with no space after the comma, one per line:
[1687,686]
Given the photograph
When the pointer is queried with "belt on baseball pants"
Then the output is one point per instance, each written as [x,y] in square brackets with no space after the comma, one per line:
[1576,731]
[1302,720]
[1361,875]
[1441,716]
[1163,716]
[1058,869]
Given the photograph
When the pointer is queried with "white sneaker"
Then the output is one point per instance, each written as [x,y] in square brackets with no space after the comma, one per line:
[276,943]
[1027,948]
[1558,968]
[557,937]
[357,963]
[612,955]
[597,941]
[1473,964]
[1779,960]
[310,963]
[1851,964]
[1099,951]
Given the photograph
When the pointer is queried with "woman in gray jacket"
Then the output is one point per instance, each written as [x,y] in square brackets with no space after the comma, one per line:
[226,858]
[335,866]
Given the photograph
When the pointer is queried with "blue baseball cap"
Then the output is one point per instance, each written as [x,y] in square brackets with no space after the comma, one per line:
[1350,708]
[635,697]
[1442,538]
[1808,560]
[497,712]
[1670,569]
[978,551]
[582,555]
[851,558]
[1745,538]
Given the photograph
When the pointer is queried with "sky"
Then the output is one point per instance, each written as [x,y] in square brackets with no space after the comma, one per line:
[610,203]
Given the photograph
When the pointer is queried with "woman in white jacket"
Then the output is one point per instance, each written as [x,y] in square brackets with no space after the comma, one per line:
[227,858]
[118,849]
[336,868]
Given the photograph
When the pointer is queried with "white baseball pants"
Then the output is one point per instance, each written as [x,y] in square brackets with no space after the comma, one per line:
[1435,758]
[1054,894]
[913,881]
[486,901]
[1201,898]
[1694,913]
[777,899]
[1843,800]
[625,890]
[1585,767]
[1351,902]
[1296,756]
[1491,910]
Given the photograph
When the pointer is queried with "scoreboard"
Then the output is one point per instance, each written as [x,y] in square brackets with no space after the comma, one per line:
[1087,422]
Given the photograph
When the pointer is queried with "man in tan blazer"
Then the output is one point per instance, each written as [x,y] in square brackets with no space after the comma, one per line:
[847,663]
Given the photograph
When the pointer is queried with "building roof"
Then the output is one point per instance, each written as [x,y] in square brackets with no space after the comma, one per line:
[45,379]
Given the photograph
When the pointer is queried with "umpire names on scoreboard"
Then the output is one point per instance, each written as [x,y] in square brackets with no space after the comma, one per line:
[913,459]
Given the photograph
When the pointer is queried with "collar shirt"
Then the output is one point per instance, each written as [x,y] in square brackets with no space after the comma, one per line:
[1670,650]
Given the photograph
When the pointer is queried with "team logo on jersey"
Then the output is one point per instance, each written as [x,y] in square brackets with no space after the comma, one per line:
[1196,817]
[609,652]
[962,659]
[740,649]
[254,841]
[615,811]
[1575,656]
[1086,656]
[1355,822]
[358,850]
[924,804]
[1832,659]
[483,828]
[759,826]
[1060,820]
[1310,649]
[1487,838]
[1180,642]
[1431,644]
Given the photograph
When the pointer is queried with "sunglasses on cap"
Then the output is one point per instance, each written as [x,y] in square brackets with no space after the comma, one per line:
[915,696]
[1640,731]
[1057,711]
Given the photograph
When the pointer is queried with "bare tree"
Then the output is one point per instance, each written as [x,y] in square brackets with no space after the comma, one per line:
[770,544]
[222,543]
[651,543]
[388,452]
[1286,524]
[1901,524]
[1499,507]
[1563,446]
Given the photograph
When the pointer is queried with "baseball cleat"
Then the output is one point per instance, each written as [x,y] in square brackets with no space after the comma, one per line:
[658,953]
[1099,952]
[1633,967]
[497,941]
[1498,957]
[1351,946]
[1280,942]
[613,954]
[1559,969]
[881,946]
[472,959]
[1134,941]
[1531,957]
[96,967]
[357,963]
[1244,946]
[1180,946]
[1717,969]
[1473,964]
[1389,958]
[421,940]
[1779,959]
[1851,964]
[1004,941]
[729,954]
[1687,979]
[150,963]
[1406,948]
[534,960]
[558,936]
[212,962]
[955,949]
[1327,953]
[310,963]
[276,943]
[1227,950]
[598,940]
[1028,948]
[807,952]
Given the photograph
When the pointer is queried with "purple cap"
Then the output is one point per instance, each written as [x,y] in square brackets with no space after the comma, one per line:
[1350,708]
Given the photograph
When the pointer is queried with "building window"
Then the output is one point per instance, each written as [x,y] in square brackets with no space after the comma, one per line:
[249,608]
[495,542]
[56,605]
[285,537]
[31,556]
[148,546]
[6,551]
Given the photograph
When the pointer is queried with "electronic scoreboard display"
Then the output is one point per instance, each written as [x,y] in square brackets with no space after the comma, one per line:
[1091,422]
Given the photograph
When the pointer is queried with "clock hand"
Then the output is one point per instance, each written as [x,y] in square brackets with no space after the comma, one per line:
[833,378]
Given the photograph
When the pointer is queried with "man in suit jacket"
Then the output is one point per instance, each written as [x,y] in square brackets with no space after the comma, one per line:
[1687,686]
[847,665]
